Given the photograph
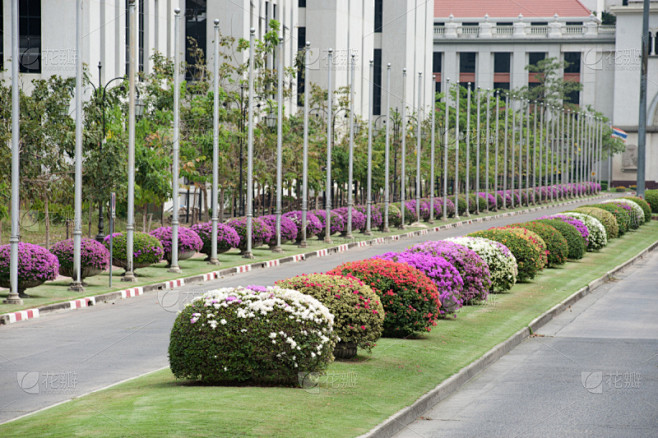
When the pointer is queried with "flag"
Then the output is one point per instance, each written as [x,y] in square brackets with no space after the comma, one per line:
[618,133]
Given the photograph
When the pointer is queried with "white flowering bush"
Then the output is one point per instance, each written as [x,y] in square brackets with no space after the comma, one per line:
[502,263]
[635,212]
[251,335]
[597,235]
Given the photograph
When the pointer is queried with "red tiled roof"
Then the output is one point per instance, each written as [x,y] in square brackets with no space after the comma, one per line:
[509,8]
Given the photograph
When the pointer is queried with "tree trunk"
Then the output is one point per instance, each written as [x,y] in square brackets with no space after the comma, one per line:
[46,217]
[162,217]
[220,204]
[89,221]
[144,214]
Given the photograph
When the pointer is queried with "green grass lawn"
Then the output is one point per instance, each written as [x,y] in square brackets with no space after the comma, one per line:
[358,394]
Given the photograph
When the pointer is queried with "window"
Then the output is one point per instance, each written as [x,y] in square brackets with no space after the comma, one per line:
[501,85]
[379,18]
[502,63]
[301,80]
[195,35]
[437,58]
[573,97]
[467,85]
[140,33]
[467,62]
[574,23]
[539,23]
[535,57]
[437,89]
[29,36]
[505,23]
[573,62]
[377,83]
[301,3]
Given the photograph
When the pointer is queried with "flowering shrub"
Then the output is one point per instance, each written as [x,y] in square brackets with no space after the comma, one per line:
[358,218]
[606,218]
[579,225]
[499,259]
[644,205]
[473,270]
[410,215]
[437,204]
[597,236]
[461,205]
[147,250]
[633,209]
[574,239]
[227,237]
[376,216]
[556,245]
[337,222]
[189,242]
[358,312]
[94,257]
[529,255]
[394,215]
[260,232]
[240,335]
[410,298]
[313,224]
[36,265]
[289,230]
[447,279]
[488,199]
[620,214]
[477,201]
[651,197]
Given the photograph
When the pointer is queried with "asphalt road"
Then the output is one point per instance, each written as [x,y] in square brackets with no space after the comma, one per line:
[591,372]
[52,359]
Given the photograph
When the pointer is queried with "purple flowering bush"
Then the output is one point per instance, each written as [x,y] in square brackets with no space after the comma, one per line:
[580,226]
[227,238]
[313,224]
[358,218]
[36,265]
[473,270]
[410,215]
[94,257]
[288,229]
[260,232]
[489,198]
[147,250]
[376,217]
[189,242]
[337,222]
[447,279]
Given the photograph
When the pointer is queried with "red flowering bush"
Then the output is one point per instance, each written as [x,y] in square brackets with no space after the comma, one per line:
[358,312]
[94,257]
[36,265]
[410,298]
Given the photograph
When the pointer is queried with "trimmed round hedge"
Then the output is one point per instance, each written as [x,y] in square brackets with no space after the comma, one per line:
[646,208]
[579,225]
[556,244]
[147,250]
[289,230]
[633,209]
[313,224]
[337,222]
[260,232]
[410,212]
[376,217]
[597,236]
[410,298]
[622,217]
[189,242]
[571,235]
[473,270]
[529,255]
[651,196]
[227,237]
[358,218]
[394,215]
[499,259]
[358,312]
[606,218]
[36,265]
[94,257]
[240,335]
[447,279]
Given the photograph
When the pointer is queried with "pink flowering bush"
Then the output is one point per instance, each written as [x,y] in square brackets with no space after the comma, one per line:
[36,265]
[473,270]
[289,230]
[227,238]
[313,224]
[94,257]
[189,242]
[260,232]
[337,222]
[358,218]
[447,279]
[376,217]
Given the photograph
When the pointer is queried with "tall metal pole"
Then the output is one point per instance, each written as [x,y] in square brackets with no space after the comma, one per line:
[369,184]
[478,136]
[552,143]
[403,169]
[541,149]
[130,220]
[76,285]
[330,136]
[507,103]
[387,147]
[527,154]
[176,146]
[521,141]
[495,191]
[13,297]
[456,186]
[418,142]
[568,152]
[642,123]
[279,146]
[215,148]
[561,155]
[350,168]
[303,243]
[446,141]
[600,171]
[432,155]
[486,154]
[468,150]
[250,147]
[534,154]
[513,153]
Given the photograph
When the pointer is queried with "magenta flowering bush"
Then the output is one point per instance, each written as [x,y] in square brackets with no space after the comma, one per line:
[36,265]
[580,226]
[313,224]
[147,249]
[289,230]
[227,237]
[376,216]
[358,218]
[447,279]
[337,222]
[260,232]
[473,270]
[189,242]
[490,198]
[94,257]
[410,215]
[450,207]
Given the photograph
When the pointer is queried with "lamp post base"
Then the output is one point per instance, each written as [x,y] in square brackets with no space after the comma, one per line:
[129,277]
[303,244]
[328,240]
[76,286]
[367,232]
[13,298]
[175,270]
[386,230]
[277,250]
[248,255]
[213,261]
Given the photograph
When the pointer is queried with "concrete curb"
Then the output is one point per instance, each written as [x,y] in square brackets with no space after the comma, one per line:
[110,297]
[406,416]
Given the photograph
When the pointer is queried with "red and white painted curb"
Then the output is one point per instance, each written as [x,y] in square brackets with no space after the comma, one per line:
[271,263]
[23,315]
[173,284]
[83,302]
[132,292]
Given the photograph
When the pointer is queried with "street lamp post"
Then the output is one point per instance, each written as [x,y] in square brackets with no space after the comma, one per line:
[279,147]
[534,154]
[505,144]
[350,165]
[327,197]
[527,154]
[215,148]
[486,155]
[387,147]
[176,146]
[418,143]
[468,149]
[250,147]
[303,243]
[513,153]
[495,191]
[446,139]
[456,186]
[478,137]
[541,146]
[432,156]
[403,170]
[369,184]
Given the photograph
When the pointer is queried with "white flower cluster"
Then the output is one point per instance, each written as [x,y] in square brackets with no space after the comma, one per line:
[598,238]
[637,218]
[502,264]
